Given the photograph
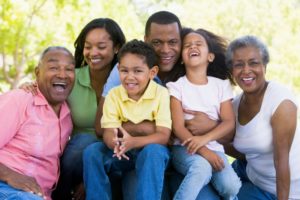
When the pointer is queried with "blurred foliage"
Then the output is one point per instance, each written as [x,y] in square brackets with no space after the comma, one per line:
[28,26]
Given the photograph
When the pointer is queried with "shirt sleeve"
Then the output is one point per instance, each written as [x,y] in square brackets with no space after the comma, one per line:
[163,116]
[175,89]
[11,115]
[111,117]
[227,93]
[112,81]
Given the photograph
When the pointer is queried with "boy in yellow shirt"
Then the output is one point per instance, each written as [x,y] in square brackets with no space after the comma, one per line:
[138,99]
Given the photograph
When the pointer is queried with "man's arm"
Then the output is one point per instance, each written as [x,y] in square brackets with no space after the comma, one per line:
[141,129]
[200,124]
[19,181]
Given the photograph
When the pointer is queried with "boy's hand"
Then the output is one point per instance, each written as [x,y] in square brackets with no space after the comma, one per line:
[194,143]
[117,149]
[214,159]
[127,141]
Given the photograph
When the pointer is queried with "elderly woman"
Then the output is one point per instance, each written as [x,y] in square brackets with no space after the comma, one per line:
[267,136]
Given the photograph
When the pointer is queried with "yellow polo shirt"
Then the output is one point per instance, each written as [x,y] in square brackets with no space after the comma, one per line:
[154,105]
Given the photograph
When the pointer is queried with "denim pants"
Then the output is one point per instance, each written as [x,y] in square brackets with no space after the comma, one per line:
[198,173]
[9,193]
[171,184]
[249,191]
[71,169]
[175,179]
[149,163]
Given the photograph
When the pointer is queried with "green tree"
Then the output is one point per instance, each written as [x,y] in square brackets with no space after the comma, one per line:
[28,26]
[24,33]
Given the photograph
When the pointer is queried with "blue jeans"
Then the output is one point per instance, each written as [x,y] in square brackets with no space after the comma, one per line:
[149,162]
[171,184]
[249,191]
[71,169]
[175,179]
[198,173]
[9,193]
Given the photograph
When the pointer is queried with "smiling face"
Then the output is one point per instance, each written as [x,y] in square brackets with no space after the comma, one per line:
[98,49]
[135,74]
[248,69]
[55,76]
[195,51]
[165,39]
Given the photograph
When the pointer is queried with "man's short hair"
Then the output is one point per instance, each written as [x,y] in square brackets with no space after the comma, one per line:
[52,48]
[162,17]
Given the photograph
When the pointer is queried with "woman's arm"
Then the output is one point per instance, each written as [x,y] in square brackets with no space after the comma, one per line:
[99,130]
[283,124]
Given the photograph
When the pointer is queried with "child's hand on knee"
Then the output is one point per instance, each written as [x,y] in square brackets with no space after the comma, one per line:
[214,159]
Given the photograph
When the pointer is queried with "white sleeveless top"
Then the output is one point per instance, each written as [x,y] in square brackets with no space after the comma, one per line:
[255,140]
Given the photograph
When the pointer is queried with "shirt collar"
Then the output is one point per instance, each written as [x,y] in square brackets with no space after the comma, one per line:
[40,100]
[83,76]
[148,94]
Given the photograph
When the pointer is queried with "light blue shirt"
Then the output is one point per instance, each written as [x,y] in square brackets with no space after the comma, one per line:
[114,80]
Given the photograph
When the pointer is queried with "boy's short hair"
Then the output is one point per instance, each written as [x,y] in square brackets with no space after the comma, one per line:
[141,49]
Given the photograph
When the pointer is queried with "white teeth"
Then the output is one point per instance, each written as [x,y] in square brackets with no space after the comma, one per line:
[247,79]
[131,85]
[95,60]
[60,86]
[194,54]
[166,58]
[60,83]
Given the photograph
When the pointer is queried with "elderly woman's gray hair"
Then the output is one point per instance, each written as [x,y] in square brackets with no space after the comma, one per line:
[247,41]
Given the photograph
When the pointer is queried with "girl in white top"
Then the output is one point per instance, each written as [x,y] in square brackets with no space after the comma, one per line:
[266,127]
[205,88]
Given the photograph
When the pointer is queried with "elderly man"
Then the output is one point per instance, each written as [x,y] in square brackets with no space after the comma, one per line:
[35,129]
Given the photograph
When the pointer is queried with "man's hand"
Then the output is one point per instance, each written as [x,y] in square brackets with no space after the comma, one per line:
[25,183]
[200,124]
[79,193]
